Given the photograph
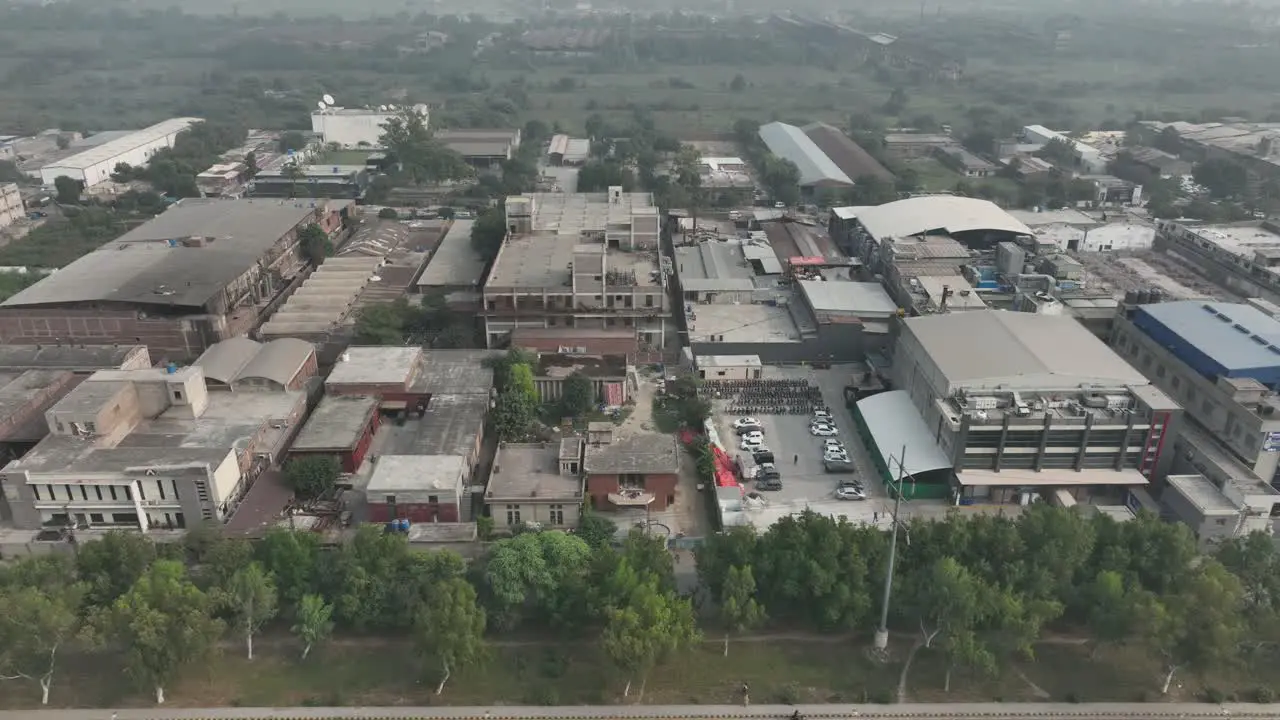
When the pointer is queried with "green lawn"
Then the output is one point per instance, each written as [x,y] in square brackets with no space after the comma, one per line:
[371,671]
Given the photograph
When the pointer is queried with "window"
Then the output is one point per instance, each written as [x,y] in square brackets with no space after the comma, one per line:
[391,499]
[36,490]
[52,495]
[84,493]
[177,394]
[557,515]
[433,499]
[95,517]
[128,493]
[648,301]
[513,514]
[174,483]
[160,487]
[142,492]
[112,488]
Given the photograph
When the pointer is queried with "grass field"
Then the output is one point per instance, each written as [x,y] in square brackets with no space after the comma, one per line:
[385,672]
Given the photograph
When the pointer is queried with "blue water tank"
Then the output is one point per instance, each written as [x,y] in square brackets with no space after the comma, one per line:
[404,524]
[171,368]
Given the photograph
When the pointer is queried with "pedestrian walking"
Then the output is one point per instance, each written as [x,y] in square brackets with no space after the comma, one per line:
[875,516]
[746,695]
[796,460]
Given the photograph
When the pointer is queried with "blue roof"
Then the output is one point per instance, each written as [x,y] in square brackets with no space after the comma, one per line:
[1234,336]
[790,142]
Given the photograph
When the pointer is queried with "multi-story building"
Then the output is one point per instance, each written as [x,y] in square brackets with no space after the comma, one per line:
[578,260]
[11,207]
[1242,257]
[640,471]
[198,273]
[357,127]
[536,484]
[148,449]
[1014,404]
[1222,362]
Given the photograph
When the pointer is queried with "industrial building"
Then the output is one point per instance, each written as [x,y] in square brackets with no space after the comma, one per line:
[242,365]
[1009,405]
[816,169]
[200,272]
[358,127]
[323,301]
[1222,362]
[340,428]
[1087,159]
[1241,257]
[909,146]
[578,341]
[313,181]
[148,449]
[578,260]
[455,269]
[481,149]
[849,156]
[537,484]
[419,488]
[80,359]
[565,150]
[841,302]
[12,208]
[95,165]
[1216,514]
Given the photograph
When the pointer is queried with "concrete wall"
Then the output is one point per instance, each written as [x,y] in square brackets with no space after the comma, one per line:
[174,338]
[662,486]
[416,512]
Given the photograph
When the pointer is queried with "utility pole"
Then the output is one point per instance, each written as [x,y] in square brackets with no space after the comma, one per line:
[882,632]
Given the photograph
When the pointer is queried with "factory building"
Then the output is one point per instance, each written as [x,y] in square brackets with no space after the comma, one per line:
[357,127]
[94,165]
[578,261]
[1011,405]
[1222,362]
[1241,257]
[817,170]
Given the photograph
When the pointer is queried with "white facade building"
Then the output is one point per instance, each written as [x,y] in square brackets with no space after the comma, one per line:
[357,127]
[94,166]
[11,207]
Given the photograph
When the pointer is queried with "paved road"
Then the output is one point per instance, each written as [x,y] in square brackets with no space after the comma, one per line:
[976,711]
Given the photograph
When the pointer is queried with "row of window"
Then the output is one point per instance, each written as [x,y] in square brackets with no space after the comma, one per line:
[102,493]
[555,517]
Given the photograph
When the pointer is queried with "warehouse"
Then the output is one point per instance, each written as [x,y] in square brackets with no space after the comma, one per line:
[357,127]
[341,428]
[816,169]
[418,488]
[94,166]
[1018,401]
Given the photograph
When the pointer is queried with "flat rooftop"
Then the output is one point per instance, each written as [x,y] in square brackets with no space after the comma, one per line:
[1203,494]
[232,421]
[67,357]
[642,453]
[25,395]
[1242,239]
[546,260]
[456,372]
[1236,336]
[714,266]
[523,471]
[376,365]
[451,426]
[150,265]
[337,423]
[124,143]
[1063,216]
[409,473]
[741,323]
[326,298]
[455,262]
[848,298]
[573,213]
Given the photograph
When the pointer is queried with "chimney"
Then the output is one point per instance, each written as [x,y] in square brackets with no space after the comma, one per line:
[946,293]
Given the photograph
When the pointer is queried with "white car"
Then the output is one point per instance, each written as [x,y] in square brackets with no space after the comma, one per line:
[752,445]
[850,492]
[745,422]
[822,415]
[835,457]
[755,435]
[823,430]
[833,443]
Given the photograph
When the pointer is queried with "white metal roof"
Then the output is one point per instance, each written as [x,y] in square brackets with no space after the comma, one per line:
[790,142]
[945,213]
[122,145]
[729,361]
[894,423]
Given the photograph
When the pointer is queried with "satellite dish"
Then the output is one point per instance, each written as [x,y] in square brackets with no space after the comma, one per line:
[328,99]
[321,105]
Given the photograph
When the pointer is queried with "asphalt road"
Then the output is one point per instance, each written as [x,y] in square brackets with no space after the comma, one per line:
[975,711]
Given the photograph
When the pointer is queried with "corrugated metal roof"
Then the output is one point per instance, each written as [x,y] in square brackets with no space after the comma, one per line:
[848,155]
[790,142]
[224,360]
[278,360]
[1223,332]
[894,423]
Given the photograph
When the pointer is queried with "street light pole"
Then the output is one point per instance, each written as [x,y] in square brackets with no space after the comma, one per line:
[882,632]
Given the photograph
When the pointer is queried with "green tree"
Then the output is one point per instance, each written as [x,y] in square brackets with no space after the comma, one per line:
[164,622]
[1200,624]
[536,570]
[578,397]
[313,622]
[381,324]
[513,415]
[312,477]
[68,189]
[290,556]
[292,141]
[250,597]
[450,627]
[488,232]
[314,243]
[421,157]
[645,628]
[35,624]
[738,83]
[948,603]
[596,530]
[1223,178]
[112,565]
[293,172]
[1062,153]
[738,607]
[520,380]
[388,213]
[1116,611]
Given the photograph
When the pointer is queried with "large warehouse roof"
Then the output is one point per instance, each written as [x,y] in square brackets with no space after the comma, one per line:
[848,155]
[894,423]
[1235,336]
[125,143]
[790,142]
[937,213]
[151,264]
[992,347]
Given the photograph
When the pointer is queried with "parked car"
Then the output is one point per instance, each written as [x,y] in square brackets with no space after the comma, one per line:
[749,429]
[836,457]
[837,466]
[821,430]
[746,422]
[766,471]
[753,435]
[769,484]
[850,492]
[762,455]
[832,443]
[822,415]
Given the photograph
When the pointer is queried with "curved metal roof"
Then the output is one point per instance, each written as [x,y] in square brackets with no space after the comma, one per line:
[937,213]
[790,142]
[278,360]
[223,361]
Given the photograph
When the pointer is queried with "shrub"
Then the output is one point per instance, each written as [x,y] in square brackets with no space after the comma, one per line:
[1264,695]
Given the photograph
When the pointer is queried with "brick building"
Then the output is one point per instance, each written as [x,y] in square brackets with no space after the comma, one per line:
[638,471]
[420,488]
[341,428]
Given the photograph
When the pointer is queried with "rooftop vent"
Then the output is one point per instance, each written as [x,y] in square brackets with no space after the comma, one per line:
[1241,328]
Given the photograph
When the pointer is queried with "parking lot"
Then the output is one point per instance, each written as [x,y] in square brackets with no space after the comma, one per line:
[805,483]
